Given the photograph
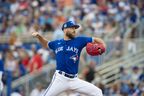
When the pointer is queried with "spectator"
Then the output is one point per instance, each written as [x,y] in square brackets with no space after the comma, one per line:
[35,63]
[24,57]
[124,76]
[37,91]
[44,54]
[132,89]
[10,62]
[140,90]
[141,77]
[32,50]
[114,89]
[135,74]
[21,68]
[124,81]
[12,39]
[118,46]
[90,73]
[132,48]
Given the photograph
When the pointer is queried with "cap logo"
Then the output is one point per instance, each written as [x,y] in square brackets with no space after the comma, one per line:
[65,25]
[71,22]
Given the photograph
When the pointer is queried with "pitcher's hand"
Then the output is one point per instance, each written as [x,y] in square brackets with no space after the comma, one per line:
[34,30]
[35,34]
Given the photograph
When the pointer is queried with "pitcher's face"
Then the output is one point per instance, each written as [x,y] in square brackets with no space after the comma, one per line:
[70,32]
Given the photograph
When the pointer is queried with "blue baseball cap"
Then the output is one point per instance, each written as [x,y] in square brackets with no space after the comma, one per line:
[69,24]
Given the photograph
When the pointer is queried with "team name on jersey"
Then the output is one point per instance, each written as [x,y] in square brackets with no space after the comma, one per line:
[58,49]
[74,49]
[69,48]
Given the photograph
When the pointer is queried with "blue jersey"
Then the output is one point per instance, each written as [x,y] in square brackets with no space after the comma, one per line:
[68,53]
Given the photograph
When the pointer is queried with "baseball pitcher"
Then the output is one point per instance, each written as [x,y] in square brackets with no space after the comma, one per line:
[67,52]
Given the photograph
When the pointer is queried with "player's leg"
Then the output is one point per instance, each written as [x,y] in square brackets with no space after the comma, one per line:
[57,86]
[86,88]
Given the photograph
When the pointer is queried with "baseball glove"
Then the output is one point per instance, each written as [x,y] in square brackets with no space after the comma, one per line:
[95,49]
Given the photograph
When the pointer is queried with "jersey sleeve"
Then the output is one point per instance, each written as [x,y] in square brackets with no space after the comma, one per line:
[51,44]
[85,40]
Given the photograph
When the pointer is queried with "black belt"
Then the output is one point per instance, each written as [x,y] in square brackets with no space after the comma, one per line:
[67,75]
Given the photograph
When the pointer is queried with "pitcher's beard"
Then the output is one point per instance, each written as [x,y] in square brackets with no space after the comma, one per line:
[70,36]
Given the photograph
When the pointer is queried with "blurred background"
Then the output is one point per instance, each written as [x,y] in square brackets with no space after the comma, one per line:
[28,67]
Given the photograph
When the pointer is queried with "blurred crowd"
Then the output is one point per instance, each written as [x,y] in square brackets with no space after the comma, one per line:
[20,60]
[103,18]
[130,83]
[98,17]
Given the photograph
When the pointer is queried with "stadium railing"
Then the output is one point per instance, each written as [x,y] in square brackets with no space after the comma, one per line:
[109,72]
[28,82]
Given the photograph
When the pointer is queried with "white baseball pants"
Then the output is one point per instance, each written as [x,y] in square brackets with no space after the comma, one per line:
[60,83]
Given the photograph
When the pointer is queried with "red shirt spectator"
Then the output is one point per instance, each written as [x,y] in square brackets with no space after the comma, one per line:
[36,63]
[25,61]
